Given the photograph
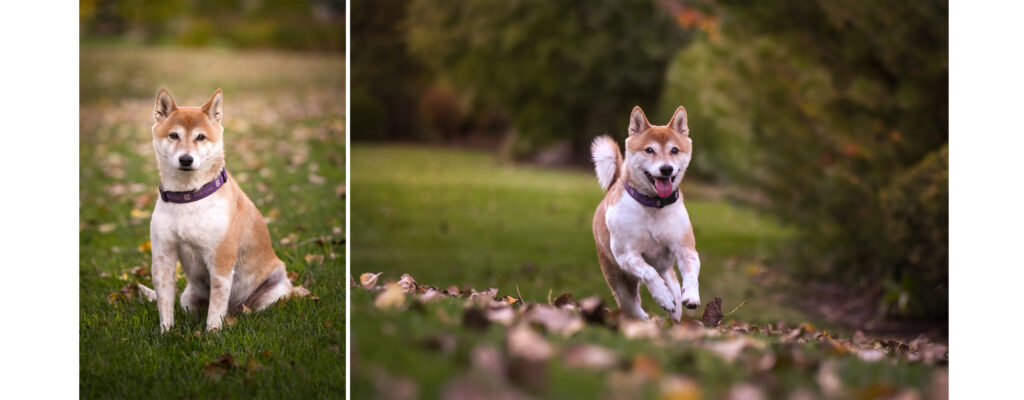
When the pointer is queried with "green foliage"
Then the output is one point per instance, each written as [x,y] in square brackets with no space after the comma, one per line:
[284,24]
[821,106]
[385,80]
[561,71]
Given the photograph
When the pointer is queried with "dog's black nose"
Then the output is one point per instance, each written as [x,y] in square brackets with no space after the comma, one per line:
[666,170]
[185,160]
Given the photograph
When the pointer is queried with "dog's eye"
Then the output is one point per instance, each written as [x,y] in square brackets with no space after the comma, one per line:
[649,150]
[173,136]
[201,137]
[675,150]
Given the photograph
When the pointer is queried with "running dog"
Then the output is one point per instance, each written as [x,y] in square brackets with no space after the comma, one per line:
[641,228]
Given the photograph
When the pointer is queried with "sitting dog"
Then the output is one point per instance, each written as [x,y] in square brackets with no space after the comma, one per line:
[641,227]
[205,221]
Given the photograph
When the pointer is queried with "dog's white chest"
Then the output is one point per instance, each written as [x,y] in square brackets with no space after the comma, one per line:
[200,224]
[649,231]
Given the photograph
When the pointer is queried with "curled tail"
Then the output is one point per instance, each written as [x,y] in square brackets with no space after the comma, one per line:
[607,159]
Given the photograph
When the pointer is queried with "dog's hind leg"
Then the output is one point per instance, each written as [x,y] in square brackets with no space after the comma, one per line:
[625,288]
[191,300]
[272,289]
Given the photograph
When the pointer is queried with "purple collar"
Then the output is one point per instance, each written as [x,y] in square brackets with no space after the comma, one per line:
[648,201]
[198,194]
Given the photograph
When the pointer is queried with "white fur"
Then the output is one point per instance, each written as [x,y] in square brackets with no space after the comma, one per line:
[646,242]
[606,156]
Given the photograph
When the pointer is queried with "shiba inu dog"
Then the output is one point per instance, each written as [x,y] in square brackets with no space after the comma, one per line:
[205,221]
[641,227]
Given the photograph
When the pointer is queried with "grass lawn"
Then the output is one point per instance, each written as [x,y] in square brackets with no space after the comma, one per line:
[285,144]
[454,217]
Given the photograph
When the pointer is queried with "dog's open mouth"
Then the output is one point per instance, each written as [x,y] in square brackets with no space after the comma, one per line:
[661,185]
[186,168]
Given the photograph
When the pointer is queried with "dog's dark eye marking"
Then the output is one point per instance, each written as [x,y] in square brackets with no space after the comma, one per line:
[675,150]
[173,136]
[201,137]
[649,150]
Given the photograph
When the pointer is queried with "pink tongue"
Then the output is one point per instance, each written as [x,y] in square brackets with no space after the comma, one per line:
[663,186]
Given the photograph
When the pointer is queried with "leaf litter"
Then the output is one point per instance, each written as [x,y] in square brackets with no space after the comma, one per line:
[530,332]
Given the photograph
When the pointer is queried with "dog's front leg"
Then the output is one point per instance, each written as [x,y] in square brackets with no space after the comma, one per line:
[634,264]
[165,257]
[688,262]
[222,272]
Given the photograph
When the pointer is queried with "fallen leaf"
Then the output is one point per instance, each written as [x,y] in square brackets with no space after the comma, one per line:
[139,214]
[675,387]
[106,228]
[555,320]
[369,280]
[728,349]
[230,320]
[299,291]
[293,276]
[216,369]
[639,329]
[314,258]
[524,343]
[646,367]
[562,300]
[591,357]
[828,379]
[407,284]
[712,313]
[744,391]
[391,298]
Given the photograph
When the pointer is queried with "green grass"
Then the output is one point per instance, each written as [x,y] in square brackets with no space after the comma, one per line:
[285,144]
[454,217]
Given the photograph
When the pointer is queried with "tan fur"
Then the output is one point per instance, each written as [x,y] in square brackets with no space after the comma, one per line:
[624,282]
[222,240]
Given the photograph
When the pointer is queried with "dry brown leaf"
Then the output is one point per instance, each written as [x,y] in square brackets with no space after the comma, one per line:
[216,369]
[712,313]
[639,329]
[230,320]
[745,391]
[391,298]
[675,387]
[728,349]
[590,357]
[555,320]
[369,280]
[314,259]
[526,344]
[407,284]
[293,276]
[299,291]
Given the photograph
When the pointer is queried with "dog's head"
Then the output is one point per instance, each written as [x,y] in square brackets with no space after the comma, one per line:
[188,139]
[659,154]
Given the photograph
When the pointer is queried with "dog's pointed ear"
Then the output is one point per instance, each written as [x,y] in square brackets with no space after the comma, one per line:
[638,122]
[215,106]
[678,122]
[164,105]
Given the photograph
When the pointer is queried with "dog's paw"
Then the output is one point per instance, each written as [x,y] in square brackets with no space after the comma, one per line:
[665,300]
[164,327]
[691,299]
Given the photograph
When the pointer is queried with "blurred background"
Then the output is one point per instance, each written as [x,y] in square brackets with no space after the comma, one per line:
[281,65]
[829,117]
[818,189]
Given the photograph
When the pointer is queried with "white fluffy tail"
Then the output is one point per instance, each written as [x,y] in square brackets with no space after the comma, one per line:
[607,159]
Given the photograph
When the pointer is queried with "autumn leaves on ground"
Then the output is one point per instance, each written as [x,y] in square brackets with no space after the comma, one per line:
[284,139]
[474,279]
